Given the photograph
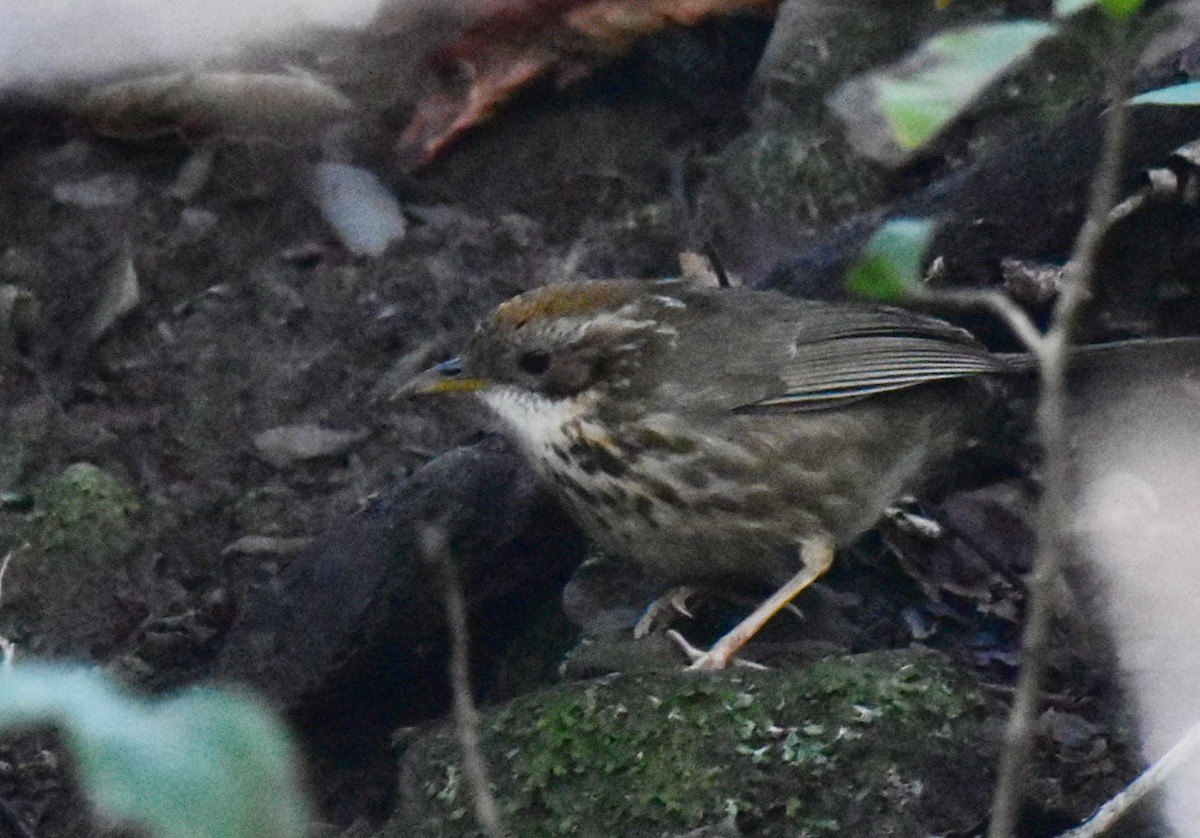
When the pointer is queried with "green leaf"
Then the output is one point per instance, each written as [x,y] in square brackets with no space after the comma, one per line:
[1121,9]
[890,266]
[927,91]
[1115,9]
[204,763]
[1178,94]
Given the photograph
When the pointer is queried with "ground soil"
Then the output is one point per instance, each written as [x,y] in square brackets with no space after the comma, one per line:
[252,316]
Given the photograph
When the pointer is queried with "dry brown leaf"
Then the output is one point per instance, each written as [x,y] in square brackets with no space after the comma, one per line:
[513,42]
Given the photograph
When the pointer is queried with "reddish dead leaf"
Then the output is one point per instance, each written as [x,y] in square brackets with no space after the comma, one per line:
[513,42]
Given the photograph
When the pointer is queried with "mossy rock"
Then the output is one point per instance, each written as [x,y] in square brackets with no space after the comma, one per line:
[83,516]
[63,584]
[798,171]
[891,743]
[810,177]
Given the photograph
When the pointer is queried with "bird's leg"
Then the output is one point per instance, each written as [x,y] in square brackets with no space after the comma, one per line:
[816,556]
[669,604]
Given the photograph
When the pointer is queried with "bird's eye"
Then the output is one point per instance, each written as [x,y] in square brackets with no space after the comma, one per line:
[534,363]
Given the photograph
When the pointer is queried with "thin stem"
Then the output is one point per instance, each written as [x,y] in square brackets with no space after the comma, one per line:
[994,301]
[466,716]
[8,649]
[1052,428]
[1181,752]
[4,569]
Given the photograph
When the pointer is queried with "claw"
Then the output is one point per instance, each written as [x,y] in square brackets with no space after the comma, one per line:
[701,660]
[675,599]
[679,597]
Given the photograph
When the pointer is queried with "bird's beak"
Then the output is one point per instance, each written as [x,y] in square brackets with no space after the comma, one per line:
[446,377]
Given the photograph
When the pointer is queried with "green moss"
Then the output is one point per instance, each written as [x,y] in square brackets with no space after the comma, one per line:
[64,584]
[83,515]
[624,755]
[813,752]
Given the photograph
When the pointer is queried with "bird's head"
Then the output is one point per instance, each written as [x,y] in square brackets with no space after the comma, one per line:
[556,343]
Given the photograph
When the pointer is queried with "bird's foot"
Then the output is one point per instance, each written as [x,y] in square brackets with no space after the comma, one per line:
[816,557]
[715,658]
[663,610]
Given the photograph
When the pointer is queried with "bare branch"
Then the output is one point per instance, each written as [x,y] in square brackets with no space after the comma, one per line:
[1051,419]
[466,716]
[997,303]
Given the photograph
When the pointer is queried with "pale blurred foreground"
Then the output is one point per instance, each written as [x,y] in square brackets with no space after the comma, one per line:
[1139,529]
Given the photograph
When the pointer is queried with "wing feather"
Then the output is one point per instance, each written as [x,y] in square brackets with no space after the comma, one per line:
[832,371]
[777,353]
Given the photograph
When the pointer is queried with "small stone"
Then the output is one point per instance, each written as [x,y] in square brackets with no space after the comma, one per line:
[287,444]
[362,211]
[20,316]
[195,223]
[122,294]
[108,190]
[265,545]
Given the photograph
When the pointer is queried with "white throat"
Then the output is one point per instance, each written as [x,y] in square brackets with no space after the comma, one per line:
[532,420]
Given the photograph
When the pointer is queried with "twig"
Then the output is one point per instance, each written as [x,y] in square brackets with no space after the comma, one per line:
[433,545]
[1146,782]
[7,647]
[994,301]
[714,259]
[1051,421]
[4,569]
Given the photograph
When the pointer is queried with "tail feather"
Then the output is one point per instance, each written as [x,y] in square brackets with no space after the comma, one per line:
[1136,353]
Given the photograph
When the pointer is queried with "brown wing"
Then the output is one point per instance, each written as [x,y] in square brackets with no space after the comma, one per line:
[776,353]
[830,372]
[853,351]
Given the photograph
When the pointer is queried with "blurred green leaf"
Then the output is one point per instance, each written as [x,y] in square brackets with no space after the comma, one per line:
[1121,9]
[204,763]
[1179,94]
[1115,9]
[952,69]
[890,266]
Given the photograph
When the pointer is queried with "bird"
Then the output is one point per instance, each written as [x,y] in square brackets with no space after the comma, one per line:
[710,434]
